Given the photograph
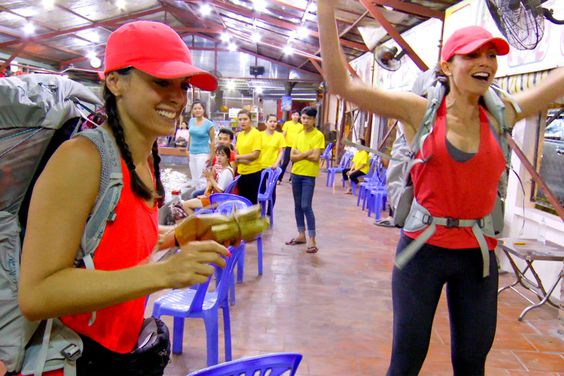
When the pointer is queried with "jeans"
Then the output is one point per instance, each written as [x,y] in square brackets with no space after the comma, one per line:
[285,161]
[472,307]
[302,188]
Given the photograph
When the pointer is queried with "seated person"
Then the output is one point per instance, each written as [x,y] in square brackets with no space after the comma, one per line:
[218,177]
[224,137]
[360,167]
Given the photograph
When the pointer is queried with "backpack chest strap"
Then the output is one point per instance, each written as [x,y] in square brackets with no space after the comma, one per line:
[420,218]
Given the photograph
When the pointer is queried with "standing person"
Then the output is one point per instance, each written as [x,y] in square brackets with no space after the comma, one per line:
[306,152]
[273,145]
[147,75]
[290,130]
[201,147]
[459,181]
[248,147]
[360,167]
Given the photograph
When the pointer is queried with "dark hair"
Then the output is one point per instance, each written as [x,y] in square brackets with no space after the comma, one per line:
[226,131]
[223,149]
[137,186]
[362,142]
[271,115]
[244,112]
[309,111]
[195,102]
[295,112]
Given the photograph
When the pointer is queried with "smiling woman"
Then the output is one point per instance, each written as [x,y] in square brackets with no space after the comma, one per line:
[148,68]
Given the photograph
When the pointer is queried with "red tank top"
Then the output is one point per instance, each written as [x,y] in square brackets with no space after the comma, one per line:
[463,190]
[126,242]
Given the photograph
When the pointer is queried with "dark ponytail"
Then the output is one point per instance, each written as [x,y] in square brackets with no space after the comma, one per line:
[137,186]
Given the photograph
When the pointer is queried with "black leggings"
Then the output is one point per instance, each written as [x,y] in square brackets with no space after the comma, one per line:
[472,306]
[248,185]
[354,176]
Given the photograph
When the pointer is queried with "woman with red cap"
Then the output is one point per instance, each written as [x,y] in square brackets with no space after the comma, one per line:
[458,181]
[148,70]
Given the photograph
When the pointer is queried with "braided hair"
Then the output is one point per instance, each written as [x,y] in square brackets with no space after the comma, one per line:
[137,186]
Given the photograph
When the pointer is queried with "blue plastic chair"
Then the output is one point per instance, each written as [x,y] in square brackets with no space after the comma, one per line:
[201,303]
[374,162]
[268,180]
[216,198]
[232,185]
[343,164]
[269,364]
[327,155]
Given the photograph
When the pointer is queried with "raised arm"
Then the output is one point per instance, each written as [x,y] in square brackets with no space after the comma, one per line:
[407,107]
[537,98]
[62,199]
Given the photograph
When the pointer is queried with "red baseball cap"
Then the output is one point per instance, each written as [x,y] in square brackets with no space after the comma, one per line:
[156,49]
[469,39]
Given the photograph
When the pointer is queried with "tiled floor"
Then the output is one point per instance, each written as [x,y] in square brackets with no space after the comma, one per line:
[334,307]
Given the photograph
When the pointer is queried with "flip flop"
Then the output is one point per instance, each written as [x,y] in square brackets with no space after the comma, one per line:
[312,249]
[295,242]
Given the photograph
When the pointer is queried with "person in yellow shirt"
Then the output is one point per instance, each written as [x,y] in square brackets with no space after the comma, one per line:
[290,130]
[273,145]
[360,167]
[248,146]
[305,155]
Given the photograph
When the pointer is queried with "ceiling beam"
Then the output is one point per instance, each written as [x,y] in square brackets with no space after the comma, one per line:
[377,14]
[13,56]
[279,23]
[108,22]
[410,8]
[316,66]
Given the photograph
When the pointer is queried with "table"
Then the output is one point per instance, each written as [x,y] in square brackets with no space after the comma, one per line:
[531,250]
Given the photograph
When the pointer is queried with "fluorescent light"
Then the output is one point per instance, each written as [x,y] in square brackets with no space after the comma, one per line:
[387,7]
[288,50]
[29,28]
[255,37]
[225,37]
[258,90]
[230,85]
[95,62]
[259,5]
[205,9]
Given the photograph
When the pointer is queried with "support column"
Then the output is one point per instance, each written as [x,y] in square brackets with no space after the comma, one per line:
[288,87]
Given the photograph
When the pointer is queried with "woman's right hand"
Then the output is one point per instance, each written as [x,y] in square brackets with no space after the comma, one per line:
[193,263]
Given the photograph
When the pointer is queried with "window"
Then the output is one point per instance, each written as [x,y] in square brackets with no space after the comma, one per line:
[551,163]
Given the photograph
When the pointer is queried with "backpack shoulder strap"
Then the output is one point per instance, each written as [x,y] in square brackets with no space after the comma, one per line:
[435,96]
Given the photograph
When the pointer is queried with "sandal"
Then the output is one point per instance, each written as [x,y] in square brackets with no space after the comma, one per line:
[295,242]
[312,249]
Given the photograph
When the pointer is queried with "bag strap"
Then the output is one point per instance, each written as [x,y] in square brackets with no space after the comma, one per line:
[435,96]
[111,183]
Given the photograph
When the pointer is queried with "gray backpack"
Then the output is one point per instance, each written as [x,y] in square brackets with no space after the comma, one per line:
[412,216]
[37,113]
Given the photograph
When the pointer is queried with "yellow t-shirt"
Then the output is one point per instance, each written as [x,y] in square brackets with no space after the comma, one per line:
[307,141]
[246,144]
[292,129]
[359,158]
[271,145]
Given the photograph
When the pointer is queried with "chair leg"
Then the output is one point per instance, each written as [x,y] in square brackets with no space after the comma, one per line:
[210,322]
[259,254]
[227,332]
[271,213]
[360,191]
[232,291]
[177,334]
[241,267]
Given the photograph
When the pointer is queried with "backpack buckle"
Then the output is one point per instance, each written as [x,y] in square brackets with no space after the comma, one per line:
[452,222]
[427,219]
[72,352]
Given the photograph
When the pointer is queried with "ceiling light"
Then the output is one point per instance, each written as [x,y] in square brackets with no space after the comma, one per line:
[91,54]
[232,47]
[205,9]
[14,66]
[120,4]
[48,4]
[258,90]
[255,37]
[95,62]
[259,5]
[225,37]
[388,7]
[288,50]
[29,28]
[230,85]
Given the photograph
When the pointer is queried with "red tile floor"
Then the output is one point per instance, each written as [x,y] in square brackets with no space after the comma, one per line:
[334,307]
